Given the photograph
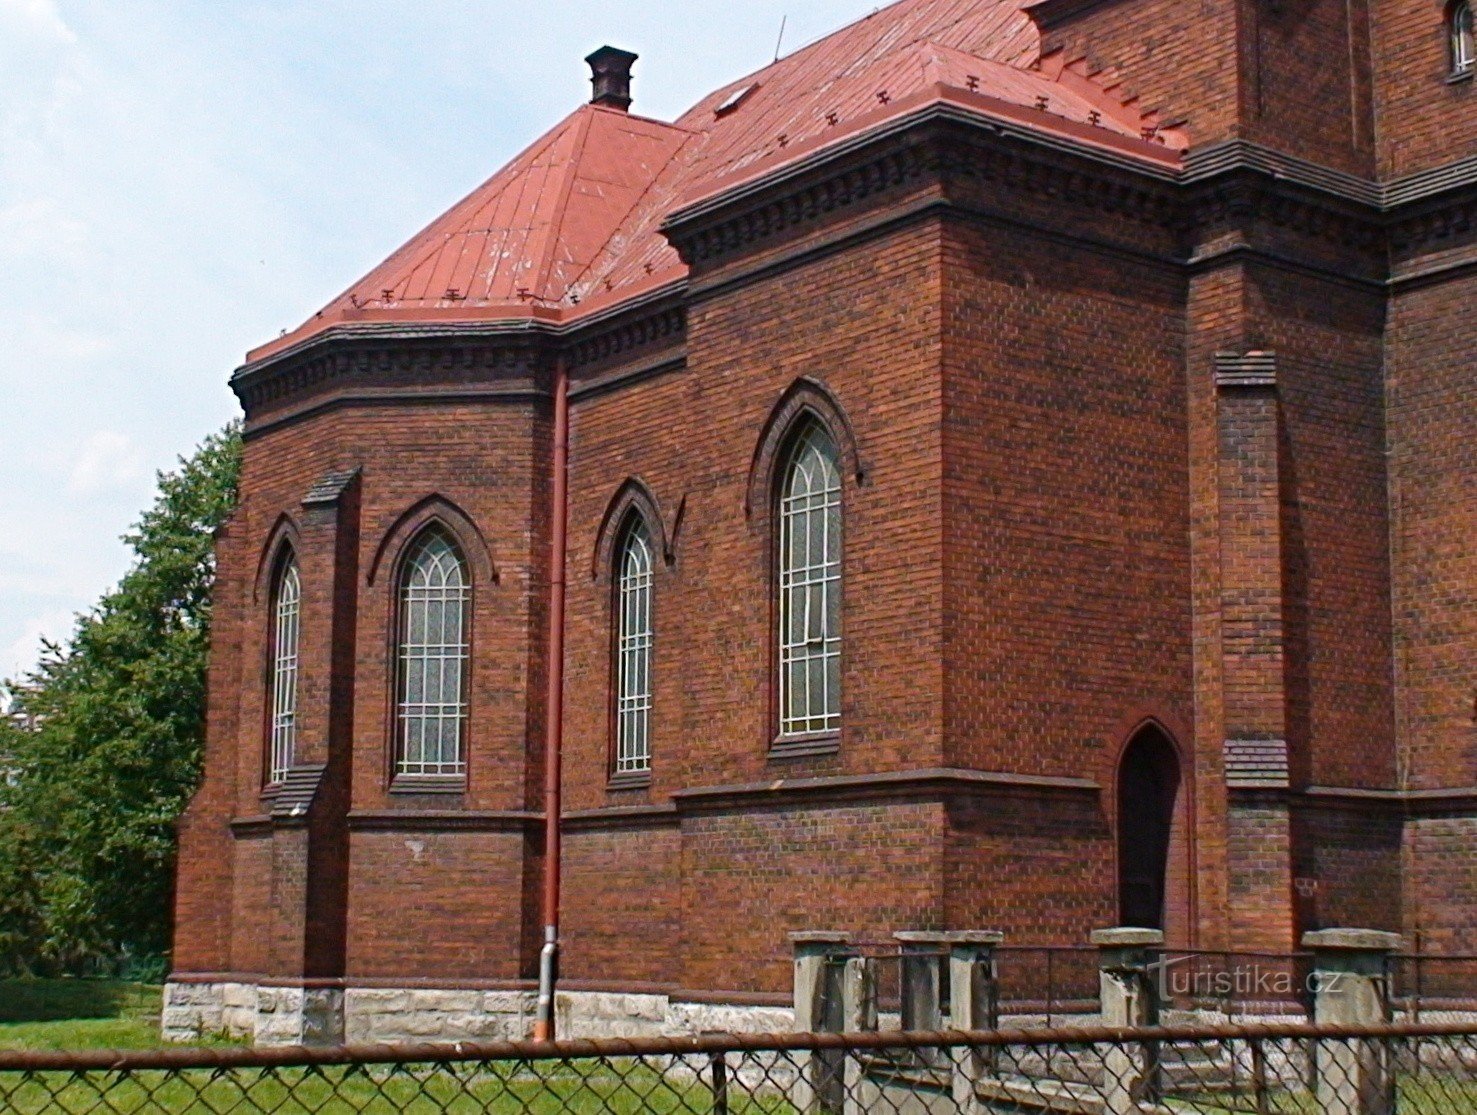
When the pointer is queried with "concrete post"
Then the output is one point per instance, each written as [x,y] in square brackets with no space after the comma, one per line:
[859,995]
[922,978]
[1128,967]
[1351,988]
[859,1015]
[957,967]
[819,981]
[974,1004]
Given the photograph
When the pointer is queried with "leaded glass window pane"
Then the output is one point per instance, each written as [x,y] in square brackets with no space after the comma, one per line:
[286,623]
[432,708]
[633,651]
[810,586]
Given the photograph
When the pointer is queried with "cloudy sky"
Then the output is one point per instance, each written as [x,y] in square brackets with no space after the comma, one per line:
[181,181]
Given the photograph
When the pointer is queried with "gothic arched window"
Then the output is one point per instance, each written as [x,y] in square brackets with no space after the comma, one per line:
[287,595]
[808,506]
[431,708]
[1459,28]
[633,647]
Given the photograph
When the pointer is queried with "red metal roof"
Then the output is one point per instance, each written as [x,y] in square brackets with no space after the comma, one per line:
[572,224]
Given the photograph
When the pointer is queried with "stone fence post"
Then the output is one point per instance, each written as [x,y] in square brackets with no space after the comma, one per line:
[858,1015]
[821,962]
[958,968]
[1128,967]
[974,1004]
[1351,988]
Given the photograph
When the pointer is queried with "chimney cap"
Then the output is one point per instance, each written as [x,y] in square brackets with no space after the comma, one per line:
[611,77]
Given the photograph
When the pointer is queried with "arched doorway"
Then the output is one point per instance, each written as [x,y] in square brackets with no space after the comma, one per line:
[1148,808]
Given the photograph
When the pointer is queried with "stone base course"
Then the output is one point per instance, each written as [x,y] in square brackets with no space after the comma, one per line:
[268,1015]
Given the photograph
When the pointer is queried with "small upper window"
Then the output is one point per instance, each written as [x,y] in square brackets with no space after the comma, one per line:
[1463,52]
[286,613]
[432,706]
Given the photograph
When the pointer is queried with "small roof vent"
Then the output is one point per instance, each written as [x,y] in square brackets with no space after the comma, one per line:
[736,98]
[610,74]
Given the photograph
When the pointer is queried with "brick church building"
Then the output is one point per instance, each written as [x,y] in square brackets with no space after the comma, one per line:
[1019,475]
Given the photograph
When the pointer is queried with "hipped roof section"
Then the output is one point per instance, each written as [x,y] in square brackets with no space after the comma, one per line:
[573,223]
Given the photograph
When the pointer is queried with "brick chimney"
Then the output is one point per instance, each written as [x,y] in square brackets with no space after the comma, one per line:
[611,76]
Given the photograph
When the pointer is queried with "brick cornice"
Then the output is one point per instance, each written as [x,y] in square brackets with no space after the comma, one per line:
[621,817]
[1235,183]
[937,141]
[401,360]
[1453,801]
[444,820]
[496,361]
[1407,212]
[663,325]
[932,784]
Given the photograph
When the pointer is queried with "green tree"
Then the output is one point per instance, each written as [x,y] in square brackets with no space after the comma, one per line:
[87,820]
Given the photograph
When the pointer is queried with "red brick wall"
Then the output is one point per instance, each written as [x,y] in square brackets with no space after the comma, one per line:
[691,437]
[253,915]
[479,458]
[621,919]
[749,879]
[1178,56]
[1424,120]
[1065,502]
[1308,81]
[1432,396]
[1353,851]
[438,904]
[1063,529]
[1440,874]
[1328,339]
[1038,866]
[1259,906]
[205,883]
[1294,76]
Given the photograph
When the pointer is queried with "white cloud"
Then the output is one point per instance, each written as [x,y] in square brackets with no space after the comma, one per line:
[109,461]
[40,16]
[22,655]
[179,181]
[38,226]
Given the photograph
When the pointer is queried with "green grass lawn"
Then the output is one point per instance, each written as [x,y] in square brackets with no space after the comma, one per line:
[78,1014]
[499,1088]
[103,1014]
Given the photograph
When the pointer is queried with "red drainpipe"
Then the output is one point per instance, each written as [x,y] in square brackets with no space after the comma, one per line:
[548,972]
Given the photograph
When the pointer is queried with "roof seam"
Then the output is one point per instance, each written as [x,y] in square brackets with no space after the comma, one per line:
[544,274]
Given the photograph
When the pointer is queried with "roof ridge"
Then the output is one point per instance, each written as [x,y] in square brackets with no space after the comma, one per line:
[657,179]
[571,171]
[417,250]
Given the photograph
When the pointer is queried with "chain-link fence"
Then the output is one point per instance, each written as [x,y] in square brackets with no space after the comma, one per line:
[1426,1069]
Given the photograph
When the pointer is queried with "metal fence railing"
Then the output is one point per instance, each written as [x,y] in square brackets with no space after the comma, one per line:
[1058,985]
[1284,1068]
[1433,986]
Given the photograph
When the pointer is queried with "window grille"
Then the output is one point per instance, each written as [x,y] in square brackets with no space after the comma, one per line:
[433,659]
[634,640]
[286,615]
[1463,48]
[810,587]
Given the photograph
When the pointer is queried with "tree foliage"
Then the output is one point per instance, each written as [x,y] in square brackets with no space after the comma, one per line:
[87,817]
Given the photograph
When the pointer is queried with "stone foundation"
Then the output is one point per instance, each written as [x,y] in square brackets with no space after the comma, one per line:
[264,1015]
[268,1015]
